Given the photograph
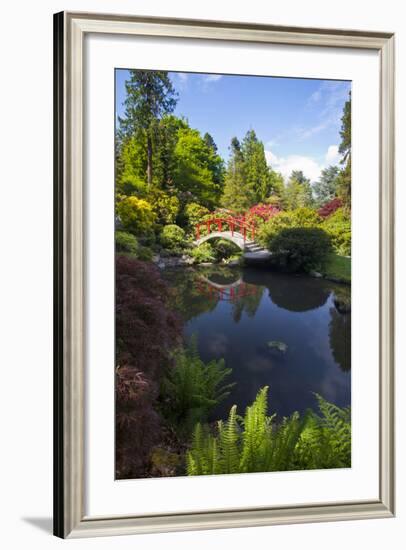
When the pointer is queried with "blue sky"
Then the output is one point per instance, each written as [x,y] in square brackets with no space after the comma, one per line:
[298,120]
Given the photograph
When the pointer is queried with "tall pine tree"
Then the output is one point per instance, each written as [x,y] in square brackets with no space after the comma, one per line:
[256,168]
[150,95]
[344,178]
[237,196]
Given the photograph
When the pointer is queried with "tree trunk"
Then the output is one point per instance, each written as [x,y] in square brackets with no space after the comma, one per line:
[149,160]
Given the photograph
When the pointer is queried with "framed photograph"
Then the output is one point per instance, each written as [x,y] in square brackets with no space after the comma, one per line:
[224,220]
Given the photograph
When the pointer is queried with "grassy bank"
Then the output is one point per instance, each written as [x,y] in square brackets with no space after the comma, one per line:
[338,267]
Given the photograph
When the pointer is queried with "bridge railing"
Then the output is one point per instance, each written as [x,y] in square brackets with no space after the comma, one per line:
[245,227]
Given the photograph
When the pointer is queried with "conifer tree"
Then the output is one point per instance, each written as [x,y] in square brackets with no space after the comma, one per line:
[256,168]
[237,195]
[150,95]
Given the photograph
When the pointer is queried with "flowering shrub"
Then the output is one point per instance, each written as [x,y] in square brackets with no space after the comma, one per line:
[262,211]
[330,207]
[146,333]
[136,215]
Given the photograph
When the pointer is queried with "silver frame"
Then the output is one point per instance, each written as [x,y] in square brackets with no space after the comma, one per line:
[69,32]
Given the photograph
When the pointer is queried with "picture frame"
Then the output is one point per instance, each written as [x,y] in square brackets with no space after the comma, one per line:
[70,519]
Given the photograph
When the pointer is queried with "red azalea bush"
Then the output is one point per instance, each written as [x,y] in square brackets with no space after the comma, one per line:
[263,211]
[146,332]
[330,207]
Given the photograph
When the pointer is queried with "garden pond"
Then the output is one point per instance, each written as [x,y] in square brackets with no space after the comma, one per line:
[289,332]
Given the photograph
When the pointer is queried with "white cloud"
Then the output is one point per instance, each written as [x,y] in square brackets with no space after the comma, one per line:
[212,77]
[304,133]
[180,80]
[315,96]
[208,80]
[310,167]
[332,155]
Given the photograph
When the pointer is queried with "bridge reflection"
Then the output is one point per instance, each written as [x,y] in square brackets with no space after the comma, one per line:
[225,291]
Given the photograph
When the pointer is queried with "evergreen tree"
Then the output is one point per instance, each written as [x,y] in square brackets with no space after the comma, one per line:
[164,158]
[209,141]
[237,195]
[325,189]
[344,178]
[298,191]
[256,168]
[150,95]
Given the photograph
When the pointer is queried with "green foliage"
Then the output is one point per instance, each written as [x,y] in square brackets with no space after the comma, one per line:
[300,217]
[131,167]
[325,441]
[172,237]
[344,184]
[344,178]
[298,191]
[259,443]
[136,215]
[126,242]
[224,249]
[193,213]
[198,168]
[325,189]
[257,173]
[203,253]
[164,205]
[249,180]
[237,195]
[149,96]
[164,144]
[338,227]
[144,253]
[191,388]
[345,132]
[300,249]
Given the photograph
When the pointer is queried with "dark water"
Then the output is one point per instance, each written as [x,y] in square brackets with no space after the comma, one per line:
[236,312]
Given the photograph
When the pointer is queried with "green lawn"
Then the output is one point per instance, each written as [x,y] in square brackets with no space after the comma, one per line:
[338,267]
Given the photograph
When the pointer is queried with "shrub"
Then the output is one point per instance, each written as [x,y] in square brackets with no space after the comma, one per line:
[172,237]
[191,388]
[194,213]
[338,227]
[330,207]
[147,331]
[203,253]
[126,242]
[300,217]
[144,253]
[224,249]
[257,443]
[262,211]
[300,249]
[136,215]
[165,206]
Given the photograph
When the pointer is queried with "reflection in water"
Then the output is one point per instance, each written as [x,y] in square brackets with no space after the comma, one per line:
[235,313]
[340,338]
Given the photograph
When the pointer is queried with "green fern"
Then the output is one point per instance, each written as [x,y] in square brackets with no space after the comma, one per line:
[191,388]
[228,436]
[258,443]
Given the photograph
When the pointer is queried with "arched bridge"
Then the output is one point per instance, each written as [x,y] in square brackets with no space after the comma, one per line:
[232,228]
